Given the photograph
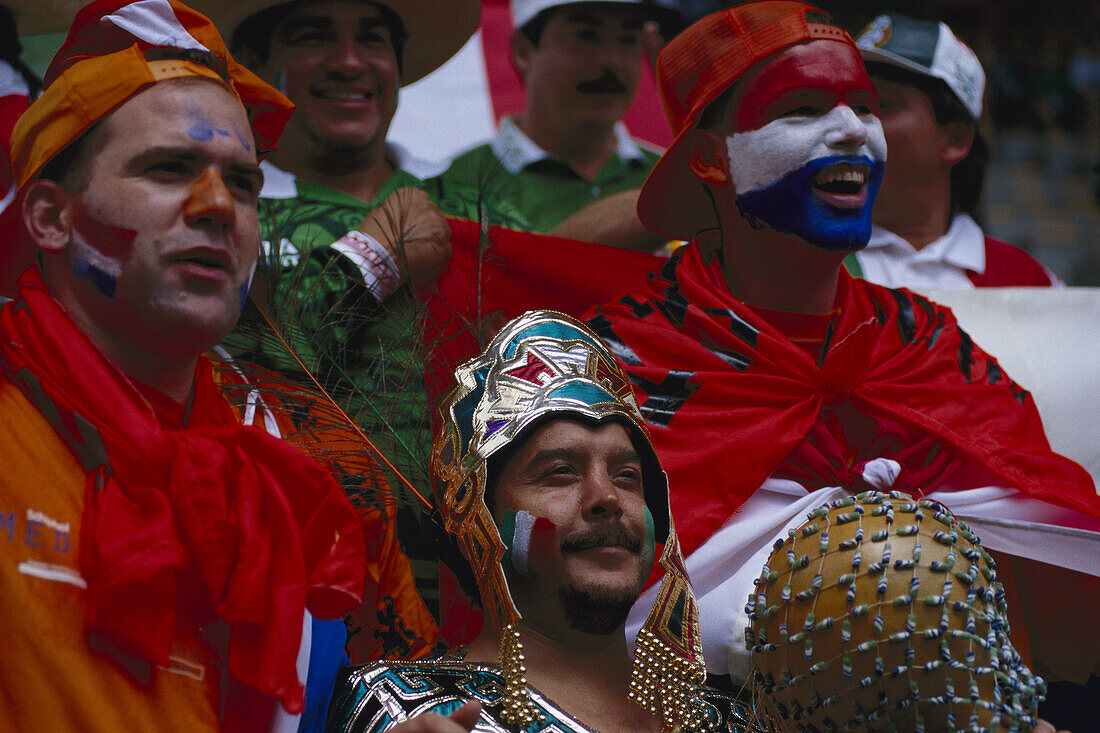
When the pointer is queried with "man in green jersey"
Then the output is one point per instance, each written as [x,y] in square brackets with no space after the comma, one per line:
[580,63]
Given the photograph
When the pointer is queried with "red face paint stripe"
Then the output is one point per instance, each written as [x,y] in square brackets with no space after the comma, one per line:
[815,73]
[107,239]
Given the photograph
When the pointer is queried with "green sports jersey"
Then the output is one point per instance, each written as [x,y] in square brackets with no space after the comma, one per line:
[365,353]
[512,182]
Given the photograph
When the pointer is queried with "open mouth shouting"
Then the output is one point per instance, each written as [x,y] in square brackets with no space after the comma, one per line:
[843,185]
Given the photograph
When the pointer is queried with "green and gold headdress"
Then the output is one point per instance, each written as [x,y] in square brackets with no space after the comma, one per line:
[540,365]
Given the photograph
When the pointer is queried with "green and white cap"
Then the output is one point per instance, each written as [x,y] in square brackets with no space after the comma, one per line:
[928,48]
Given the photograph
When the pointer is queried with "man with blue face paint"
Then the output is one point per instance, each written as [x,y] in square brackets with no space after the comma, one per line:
[772,381]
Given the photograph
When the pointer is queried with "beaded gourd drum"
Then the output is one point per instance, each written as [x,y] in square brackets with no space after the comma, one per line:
[884,613]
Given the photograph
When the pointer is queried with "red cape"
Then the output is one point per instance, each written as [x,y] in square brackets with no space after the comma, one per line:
[496,274]
[729,397]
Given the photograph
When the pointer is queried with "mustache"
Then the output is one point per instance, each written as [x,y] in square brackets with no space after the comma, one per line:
[605,535]
[605,83]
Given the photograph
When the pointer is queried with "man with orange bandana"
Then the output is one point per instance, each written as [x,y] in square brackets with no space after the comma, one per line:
[161,562]
[774,382]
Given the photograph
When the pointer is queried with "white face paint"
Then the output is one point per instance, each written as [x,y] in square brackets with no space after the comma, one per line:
[87,254]
[761,157]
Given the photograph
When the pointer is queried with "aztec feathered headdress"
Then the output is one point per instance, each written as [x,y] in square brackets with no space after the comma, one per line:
[540,365]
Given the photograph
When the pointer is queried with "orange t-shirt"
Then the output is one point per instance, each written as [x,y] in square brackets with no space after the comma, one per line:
[51,678]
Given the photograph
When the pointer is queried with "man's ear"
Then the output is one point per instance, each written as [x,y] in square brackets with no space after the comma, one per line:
[47,215]
[707,157]
[522,48]
[958,137]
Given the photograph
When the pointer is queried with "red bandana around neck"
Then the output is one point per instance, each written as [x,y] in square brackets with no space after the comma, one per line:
[212,521]
[730,397]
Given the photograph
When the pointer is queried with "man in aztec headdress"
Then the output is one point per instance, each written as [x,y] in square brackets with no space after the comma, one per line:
[165,566]
[772,382]
[550,486]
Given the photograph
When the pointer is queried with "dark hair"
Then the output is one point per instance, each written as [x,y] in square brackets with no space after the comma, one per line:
[255,32]
[11,48]
[69,167]
[715,113]
[968,175]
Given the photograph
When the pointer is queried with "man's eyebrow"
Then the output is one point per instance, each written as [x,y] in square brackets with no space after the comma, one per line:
[548,454]
[626,455]
[247,169]
[178,152]
[579,16]
[369,23]
[621,455]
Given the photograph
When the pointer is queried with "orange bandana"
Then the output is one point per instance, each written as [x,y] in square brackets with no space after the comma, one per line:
[115,49]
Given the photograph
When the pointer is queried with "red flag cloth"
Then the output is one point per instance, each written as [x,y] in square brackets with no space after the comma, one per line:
[214,520]
[496,274]
[732,400]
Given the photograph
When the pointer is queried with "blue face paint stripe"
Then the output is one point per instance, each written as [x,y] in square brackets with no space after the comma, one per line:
[203,129]
[244,140]
[103,281]
[245,286]
[790,206]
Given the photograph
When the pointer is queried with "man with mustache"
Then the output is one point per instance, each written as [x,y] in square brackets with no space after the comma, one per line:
[552,491]
[773,381]
[580,64]
[161,561]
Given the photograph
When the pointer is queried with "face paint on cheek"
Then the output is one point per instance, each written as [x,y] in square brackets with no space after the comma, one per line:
[89,265]
[759,158]
[279,81]
[98,250]
[650,532]
[526,536]
[246,286]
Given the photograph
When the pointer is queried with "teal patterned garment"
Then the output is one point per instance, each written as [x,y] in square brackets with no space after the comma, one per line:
[365,353]
[376,697]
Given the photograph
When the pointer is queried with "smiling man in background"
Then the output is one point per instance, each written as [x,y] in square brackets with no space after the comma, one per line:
[350,234]
[351,238]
